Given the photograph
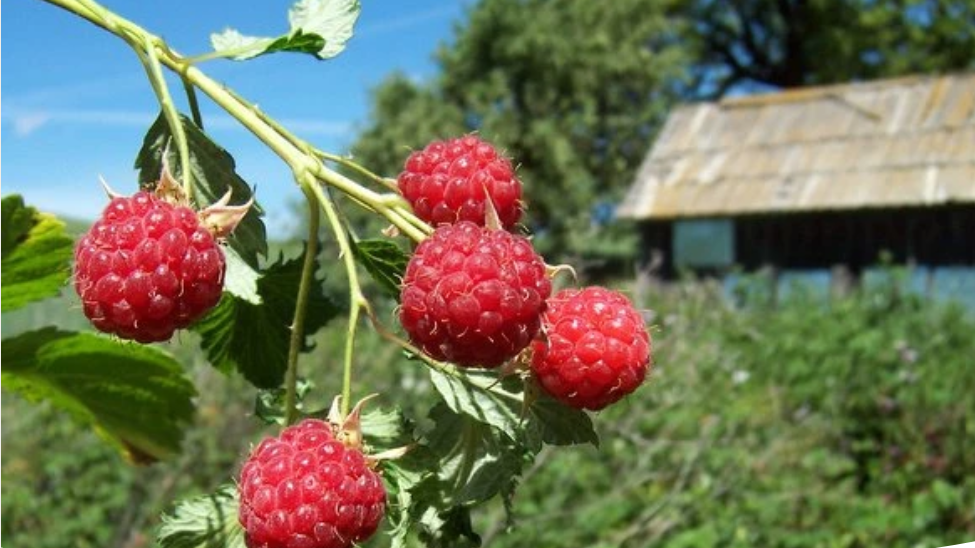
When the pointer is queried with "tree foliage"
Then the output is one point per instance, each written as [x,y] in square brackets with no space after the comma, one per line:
[573,90]
[576,90]
[790,43]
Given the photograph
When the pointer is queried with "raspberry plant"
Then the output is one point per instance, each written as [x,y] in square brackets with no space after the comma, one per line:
[189,251]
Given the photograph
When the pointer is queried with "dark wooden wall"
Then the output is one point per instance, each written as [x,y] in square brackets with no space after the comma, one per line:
[931,236]
[928,236]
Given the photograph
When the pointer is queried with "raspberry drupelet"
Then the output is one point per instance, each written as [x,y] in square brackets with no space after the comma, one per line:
[307,489]
[594,350]
[473,296]
[450,181]
[146,268]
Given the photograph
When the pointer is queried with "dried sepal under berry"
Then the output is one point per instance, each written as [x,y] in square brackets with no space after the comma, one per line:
[147,267]
[453,180]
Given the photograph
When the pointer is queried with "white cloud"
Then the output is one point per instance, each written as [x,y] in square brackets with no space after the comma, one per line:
[72,92]
[403,23]
[29,120]
[28,123]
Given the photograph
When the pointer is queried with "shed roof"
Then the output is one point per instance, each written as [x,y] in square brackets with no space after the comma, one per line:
[887,143]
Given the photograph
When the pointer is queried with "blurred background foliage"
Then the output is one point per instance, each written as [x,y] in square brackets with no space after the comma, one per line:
[575,90]
[810,424]
[826,423]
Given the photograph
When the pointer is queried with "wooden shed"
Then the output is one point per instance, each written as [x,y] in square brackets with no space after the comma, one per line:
[813,178]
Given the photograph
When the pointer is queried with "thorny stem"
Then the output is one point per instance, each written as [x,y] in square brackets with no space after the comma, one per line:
[305,161]
[356,301]
[391,206]
[347,162]
[294,151]
[301,307]
[194,103]
[150,59]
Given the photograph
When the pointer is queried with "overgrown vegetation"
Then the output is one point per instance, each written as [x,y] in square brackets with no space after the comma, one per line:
[576,90]
[812,423]
[841,423]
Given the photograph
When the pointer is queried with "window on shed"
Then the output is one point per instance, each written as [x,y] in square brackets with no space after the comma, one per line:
[704,243]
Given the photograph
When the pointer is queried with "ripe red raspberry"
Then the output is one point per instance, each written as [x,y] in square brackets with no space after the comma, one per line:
[306,489]
[473,296]
[147,268]
[446,182]
[595,348]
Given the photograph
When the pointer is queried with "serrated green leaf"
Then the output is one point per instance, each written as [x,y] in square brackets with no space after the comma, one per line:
[386,429]
[297,42]
[384,261]
[461,463]
[209,521]
[18,219]
[558,424]
[135,396]
[332,20]
[475,462]
[400,481]
[484,397]
[214,174]
[36,255]
[270,406]
[418,504]
[243,47]
[253,339]
[449,529]
[240,47]
[318,27]
[240,280]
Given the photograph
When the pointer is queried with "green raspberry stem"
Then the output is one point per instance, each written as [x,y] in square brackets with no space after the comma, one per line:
[357,300]
[193,101]
[306,163]
[349,163]
[150,60]
[301,307]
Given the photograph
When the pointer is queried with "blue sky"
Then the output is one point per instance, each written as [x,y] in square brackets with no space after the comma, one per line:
[76,101]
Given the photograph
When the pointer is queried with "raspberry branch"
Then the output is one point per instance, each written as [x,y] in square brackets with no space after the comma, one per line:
[193,101]
[357,301]
[301,306]
[295,152]
[150,60]
[305,161]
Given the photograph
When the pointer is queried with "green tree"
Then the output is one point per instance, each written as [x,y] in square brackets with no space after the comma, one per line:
[574,90]
[790,43]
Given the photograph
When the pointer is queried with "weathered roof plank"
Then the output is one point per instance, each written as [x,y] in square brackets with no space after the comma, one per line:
[902,142]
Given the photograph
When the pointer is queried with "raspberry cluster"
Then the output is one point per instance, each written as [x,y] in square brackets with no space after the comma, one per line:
[306,489]
[450,181]
[473,296]
[595,348]
[146,268]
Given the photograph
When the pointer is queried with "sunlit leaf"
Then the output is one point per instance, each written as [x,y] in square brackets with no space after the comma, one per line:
[330,19]
[482,396]
[318,27]
[209,521]
[36,255]
[135,396]
[246,47]
[384,261]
